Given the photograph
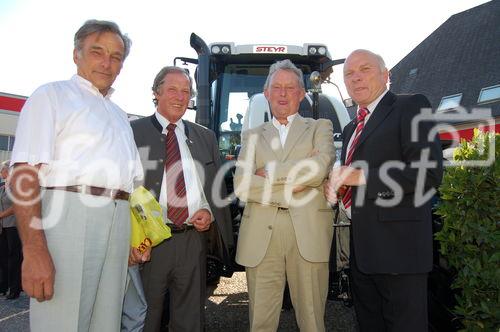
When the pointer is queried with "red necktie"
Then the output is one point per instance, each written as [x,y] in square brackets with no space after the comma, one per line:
[360,120]
[177,210]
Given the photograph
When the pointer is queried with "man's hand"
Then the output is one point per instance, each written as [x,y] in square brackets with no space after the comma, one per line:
[201,220]
[330,193]
[346,176]
[136,257]
[261,172]
[339,178]
[298,189]
[38,272]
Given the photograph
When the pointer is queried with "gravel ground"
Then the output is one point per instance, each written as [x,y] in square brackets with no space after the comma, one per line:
[227,310]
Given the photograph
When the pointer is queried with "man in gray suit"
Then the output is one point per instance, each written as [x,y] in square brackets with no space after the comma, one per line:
[181,160]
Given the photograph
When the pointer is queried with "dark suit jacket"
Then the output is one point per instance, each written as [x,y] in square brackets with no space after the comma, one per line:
[204,149]
[394,239]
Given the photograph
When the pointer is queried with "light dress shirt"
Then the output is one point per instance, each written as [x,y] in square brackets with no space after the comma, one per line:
[371,108]
[284,129]
[195,195]
[79,137]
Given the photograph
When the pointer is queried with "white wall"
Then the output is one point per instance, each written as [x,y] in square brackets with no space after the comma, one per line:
[8,122]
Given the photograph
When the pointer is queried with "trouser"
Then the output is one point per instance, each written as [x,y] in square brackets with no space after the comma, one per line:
[12,259]
[178,265]
[389,302]
[308,283]
[88,239]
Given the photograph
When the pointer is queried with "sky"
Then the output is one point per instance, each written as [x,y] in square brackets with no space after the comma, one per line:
[37,36]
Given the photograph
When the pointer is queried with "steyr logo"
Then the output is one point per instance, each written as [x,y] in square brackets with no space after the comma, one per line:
[269,49]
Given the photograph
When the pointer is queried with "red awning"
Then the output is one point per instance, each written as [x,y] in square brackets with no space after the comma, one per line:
[11,103]
[466,133]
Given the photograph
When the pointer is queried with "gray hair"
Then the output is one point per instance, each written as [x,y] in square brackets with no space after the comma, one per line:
[93,26]
[377,57]
[162,74]
[284,65]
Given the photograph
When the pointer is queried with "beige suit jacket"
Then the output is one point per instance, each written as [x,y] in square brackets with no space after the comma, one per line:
[305,160]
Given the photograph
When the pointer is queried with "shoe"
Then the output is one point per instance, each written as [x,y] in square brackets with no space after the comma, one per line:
[12,296]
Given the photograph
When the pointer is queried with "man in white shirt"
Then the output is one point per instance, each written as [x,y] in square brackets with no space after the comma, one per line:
[74,149]
[181,160]
[286,228]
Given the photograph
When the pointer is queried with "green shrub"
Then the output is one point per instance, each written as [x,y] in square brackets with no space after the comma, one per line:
[470,238]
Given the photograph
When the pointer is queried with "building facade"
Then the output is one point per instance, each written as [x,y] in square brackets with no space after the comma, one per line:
[10,106]
[458,68]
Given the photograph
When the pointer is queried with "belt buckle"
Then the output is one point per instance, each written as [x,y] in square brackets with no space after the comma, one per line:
[113,193]
[84,189]
[180,229]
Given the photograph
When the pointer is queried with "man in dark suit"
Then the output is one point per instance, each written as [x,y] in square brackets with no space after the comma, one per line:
[181,160]
[391,167]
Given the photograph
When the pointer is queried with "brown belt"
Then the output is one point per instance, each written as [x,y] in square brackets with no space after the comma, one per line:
[96,191]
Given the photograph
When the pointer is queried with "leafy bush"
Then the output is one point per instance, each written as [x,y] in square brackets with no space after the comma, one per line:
[470,238]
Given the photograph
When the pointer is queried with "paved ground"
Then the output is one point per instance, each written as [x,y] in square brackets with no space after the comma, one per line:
[227,310]
[14,314]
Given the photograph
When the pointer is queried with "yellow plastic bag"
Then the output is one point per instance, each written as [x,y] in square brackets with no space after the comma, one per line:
[148,228]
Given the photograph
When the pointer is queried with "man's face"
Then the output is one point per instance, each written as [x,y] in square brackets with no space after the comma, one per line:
[173,96]
[284,94]
[100,59]
[363,77]
[4,173]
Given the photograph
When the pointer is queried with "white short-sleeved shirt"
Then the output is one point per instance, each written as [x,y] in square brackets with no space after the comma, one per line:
[79,137]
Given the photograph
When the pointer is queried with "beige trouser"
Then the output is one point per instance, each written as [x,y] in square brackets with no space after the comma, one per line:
[308,283]
[89,247]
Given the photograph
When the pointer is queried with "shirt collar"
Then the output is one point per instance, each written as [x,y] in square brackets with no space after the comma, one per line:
[371,107]
[89,86]
[289,118]
[164,122]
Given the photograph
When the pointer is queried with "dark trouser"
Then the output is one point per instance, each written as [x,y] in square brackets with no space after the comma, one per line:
[389,302]
[179,265]
[11,260]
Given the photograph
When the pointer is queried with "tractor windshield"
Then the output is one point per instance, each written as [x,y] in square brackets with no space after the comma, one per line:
[231,93]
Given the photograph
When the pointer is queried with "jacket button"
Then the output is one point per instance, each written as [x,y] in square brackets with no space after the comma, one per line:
[270,227]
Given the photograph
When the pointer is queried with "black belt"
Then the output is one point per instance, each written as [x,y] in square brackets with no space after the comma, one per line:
[282,209]
[180,229]
[95,191]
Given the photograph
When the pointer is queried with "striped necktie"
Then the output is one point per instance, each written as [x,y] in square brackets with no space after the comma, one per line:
[360,120]
[177,210]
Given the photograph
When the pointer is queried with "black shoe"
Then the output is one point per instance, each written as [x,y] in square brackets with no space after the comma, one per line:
[12,296]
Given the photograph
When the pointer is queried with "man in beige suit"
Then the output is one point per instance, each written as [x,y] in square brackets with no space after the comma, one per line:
[286,228]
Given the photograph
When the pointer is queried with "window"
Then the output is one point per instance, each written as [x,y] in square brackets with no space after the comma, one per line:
[450,102]
[6,143]
[489,94]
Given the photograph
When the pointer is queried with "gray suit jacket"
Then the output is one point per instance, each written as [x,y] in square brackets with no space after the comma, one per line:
[204,149]
[6,203]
